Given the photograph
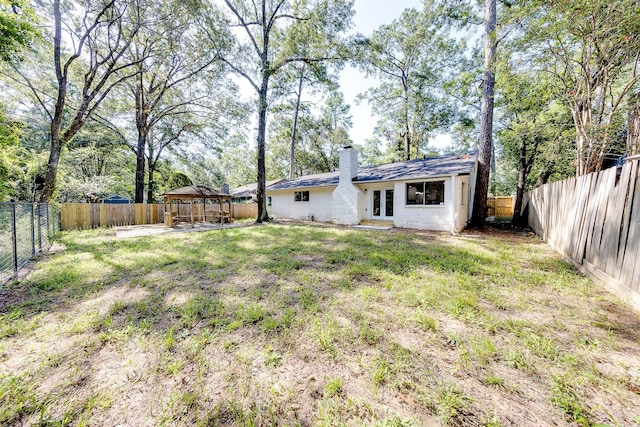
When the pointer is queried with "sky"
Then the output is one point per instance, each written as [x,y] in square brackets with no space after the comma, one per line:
[371,14]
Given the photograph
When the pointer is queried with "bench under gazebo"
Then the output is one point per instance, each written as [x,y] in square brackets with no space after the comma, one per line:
[196,203]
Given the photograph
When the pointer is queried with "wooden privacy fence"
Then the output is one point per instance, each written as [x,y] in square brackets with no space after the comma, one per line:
[245,210]
[500,206]
[82,216]
[595,221]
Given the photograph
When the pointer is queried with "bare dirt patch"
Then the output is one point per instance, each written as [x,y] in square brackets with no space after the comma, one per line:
[303,325]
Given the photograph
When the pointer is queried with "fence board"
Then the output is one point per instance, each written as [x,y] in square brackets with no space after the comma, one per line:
[627,216]
[498,206]
[630,272]
[595,221]
[245,210]
[80,216]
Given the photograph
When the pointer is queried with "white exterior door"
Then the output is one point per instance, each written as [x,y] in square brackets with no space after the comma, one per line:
[382,204]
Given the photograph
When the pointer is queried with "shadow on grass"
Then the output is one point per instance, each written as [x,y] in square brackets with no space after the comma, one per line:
[261,284]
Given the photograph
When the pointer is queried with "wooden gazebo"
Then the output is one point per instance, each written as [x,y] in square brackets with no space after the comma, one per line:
[179,205]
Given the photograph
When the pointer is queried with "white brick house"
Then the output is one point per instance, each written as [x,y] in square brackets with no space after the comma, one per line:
[430,194]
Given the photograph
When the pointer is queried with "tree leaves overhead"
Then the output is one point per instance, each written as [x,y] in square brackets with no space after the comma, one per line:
[592,49]
[273,34]
[17,29]
[83,79]
[412,57]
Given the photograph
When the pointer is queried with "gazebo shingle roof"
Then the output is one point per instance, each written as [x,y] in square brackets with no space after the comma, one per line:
[195,191]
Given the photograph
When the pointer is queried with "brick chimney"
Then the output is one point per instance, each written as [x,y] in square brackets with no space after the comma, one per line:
[348,164]
[345,196]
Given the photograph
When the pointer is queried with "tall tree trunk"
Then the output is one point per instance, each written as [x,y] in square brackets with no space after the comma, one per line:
[295,126]
[140,164]
[263,215]
[56,121]
[142,128]
[92,92]
[405,112]
[516,220]
[152,183]
[479,213]
[633,125]
[52,170]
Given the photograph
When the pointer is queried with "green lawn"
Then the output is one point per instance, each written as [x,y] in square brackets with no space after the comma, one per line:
[314,326]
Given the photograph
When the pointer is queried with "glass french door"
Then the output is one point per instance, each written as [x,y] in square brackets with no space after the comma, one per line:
[377,202]
[388,202]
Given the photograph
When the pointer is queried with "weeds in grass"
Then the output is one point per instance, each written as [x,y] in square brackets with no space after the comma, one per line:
[447,401]
[484,350]
[464,306]
[464,361]
[565,398]
[370,333]
[516,359]
[492,420]
[17,397]
[200,308]
[272,358]
[169,338]
[386,308]
[382,371]
[173,367]
[426,321]
[327,332]
[333,386]
[494,380]
[541,346]
[251,314]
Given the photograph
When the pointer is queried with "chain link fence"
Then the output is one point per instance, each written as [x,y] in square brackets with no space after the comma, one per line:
[26,229]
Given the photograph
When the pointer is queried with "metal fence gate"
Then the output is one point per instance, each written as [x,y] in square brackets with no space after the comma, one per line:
[26,229]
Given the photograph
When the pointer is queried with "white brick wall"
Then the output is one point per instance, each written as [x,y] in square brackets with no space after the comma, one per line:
[346,196]
[345,204]
[348,204]
[348,164]
[319,204]
[427,217]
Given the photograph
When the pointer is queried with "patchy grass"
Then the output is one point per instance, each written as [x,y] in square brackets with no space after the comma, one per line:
[307,325]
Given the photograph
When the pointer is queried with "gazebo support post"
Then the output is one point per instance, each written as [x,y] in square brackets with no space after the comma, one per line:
[191,210]
[221,213]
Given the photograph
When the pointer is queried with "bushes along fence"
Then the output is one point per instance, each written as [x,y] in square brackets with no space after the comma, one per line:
[594,220]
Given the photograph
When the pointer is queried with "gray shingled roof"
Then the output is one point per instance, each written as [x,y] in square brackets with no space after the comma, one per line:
[250,189]
[194,191]
[411,169]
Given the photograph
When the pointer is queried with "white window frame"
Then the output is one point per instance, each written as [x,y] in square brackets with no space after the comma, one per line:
[424,185]
[301,194]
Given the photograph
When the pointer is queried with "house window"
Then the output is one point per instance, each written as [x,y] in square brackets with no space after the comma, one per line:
[425,193]
[301,196]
